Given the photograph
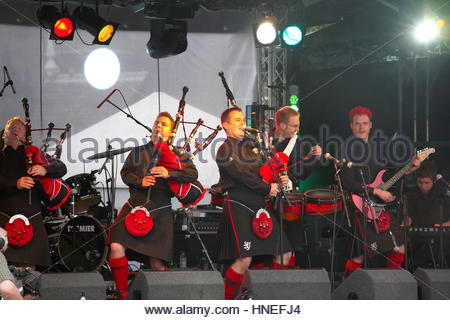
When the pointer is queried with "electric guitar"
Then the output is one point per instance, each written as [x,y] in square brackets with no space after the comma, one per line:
[377,205]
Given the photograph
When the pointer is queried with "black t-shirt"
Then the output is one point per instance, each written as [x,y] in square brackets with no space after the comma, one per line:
[424,210]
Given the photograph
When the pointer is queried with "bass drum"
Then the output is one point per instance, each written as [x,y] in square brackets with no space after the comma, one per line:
[86,196]
[82,244]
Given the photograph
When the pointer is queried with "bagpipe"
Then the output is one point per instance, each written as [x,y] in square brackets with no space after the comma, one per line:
[188,193]
[55,193]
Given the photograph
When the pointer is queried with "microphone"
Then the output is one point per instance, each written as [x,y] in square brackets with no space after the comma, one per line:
[9,79]
[107,97]
[330,157]
[185,90]
[356,165]
[249,130]
[2,243]
[440,177]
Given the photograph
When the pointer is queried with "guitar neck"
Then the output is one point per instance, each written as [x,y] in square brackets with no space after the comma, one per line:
[395,177]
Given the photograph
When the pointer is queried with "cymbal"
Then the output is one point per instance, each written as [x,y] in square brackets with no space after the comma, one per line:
[109,153]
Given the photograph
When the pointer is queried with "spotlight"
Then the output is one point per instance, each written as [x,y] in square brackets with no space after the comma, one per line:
[167,38]
[292,35]
[60,25]
[266,33]
[427,31]
[89,20]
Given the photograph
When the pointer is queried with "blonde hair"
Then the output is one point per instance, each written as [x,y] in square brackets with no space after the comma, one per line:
[6,134]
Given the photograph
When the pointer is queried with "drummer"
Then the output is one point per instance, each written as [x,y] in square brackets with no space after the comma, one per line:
[158,242]
[286,140]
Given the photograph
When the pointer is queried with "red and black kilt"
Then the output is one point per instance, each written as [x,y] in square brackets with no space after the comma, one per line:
[158,243]
[376,243]
[37,251]
[235,236]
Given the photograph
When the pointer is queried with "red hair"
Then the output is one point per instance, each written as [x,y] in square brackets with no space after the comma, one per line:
[360,110]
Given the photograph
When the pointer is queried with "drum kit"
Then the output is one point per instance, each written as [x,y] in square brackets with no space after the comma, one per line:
[77,231]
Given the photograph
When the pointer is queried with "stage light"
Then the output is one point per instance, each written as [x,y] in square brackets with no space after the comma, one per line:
[167,38]
[427,31]
[89,20]
[102,68]
[60,25]
[266,33]
[292,35]
[293,99]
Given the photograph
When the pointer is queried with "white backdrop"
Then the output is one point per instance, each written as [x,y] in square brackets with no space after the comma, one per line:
[67,97]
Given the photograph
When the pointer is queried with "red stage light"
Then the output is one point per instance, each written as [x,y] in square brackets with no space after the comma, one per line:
[63,28]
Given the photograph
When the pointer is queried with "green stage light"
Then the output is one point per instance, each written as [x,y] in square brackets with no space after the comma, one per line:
[292,35]
[293,99]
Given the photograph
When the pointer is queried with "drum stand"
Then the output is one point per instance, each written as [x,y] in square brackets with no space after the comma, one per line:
[187,213]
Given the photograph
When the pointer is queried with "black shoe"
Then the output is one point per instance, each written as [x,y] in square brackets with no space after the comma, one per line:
[246,295]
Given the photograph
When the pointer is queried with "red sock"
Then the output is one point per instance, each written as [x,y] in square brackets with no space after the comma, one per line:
[274,265]
[395,260]
[291,263]
[257,266]
[119,268]
[351,266]
[232,282]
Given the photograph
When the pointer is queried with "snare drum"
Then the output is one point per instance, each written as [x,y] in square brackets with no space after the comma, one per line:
[321,201]
[82,244]
[86,196]
[294,211]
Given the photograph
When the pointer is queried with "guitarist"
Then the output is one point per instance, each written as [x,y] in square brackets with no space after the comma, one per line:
[17,188]
[158,243]
[360,149]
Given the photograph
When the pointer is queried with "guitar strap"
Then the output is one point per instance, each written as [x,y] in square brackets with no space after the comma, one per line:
[287,151]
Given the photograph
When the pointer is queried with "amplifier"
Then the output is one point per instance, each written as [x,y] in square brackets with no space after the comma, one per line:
[206,220]
[204,227]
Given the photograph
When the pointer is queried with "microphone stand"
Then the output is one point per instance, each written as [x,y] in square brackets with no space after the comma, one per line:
[333,241]
[130,116]
[442,261]
[6,84]
[366,201]
[406,235]
[282,197]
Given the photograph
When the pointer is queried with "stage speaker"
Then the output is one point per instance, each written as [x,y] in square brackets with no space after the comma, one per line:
[433,284]
[71,286]
[387,284]
[290,284]
[174,285]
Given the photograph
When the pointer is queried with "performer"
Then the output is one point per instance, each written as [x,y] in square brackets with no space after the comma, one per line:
[20,195]
[244,197]
[158,243]
[424,210]
[359,146]
[8,289]
[285,140]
